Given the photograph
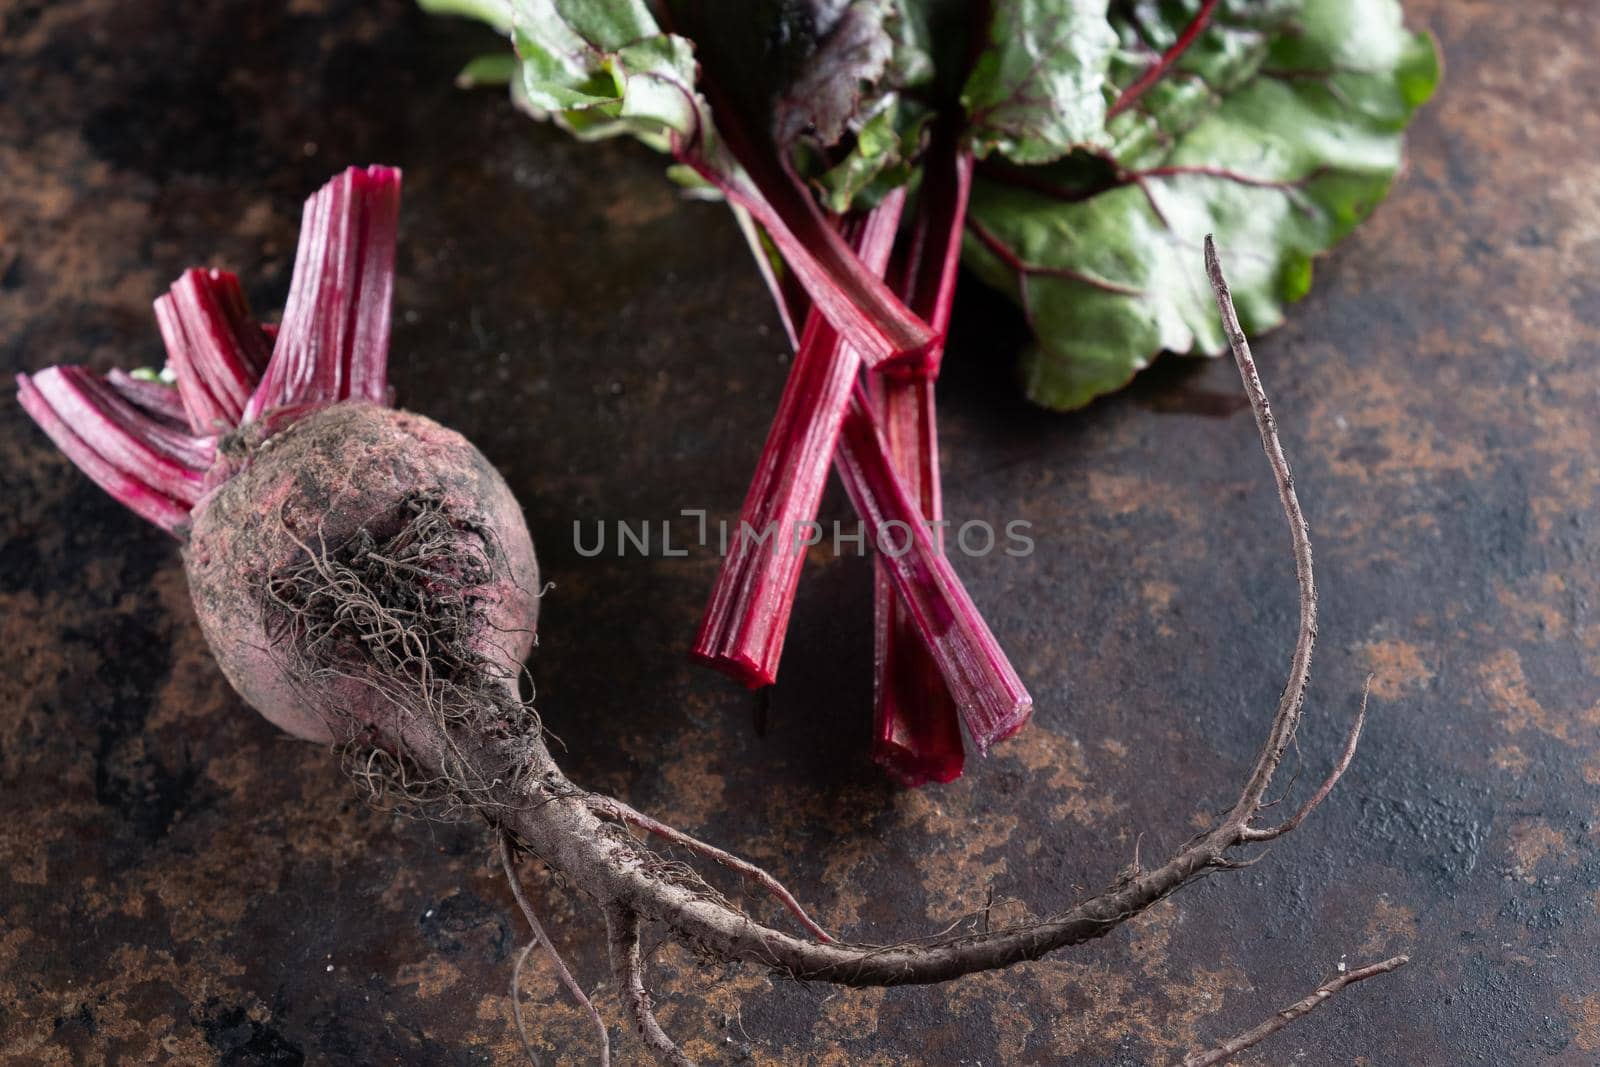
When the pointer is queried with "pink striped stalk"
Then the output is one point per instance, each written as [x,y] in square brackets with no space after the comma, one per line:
[215,349]
[938,667]
[916,727]
[854,300]
[158,400]
[745,620]
[133,454]
[991,699]
[334,343]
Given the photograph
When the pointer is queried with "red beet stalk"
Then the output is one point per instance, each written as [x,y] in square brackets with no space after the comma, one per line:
[939,666]
[215,349]
[788,295]
[334,341]
[853,299]
[136,454]
[916,729]
[743,628]
[748,163]
[991,699]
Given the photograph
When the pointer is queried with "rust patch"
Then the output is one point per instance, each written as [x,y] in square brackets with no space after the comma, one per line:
[1397,667]
[1532,842]
[1584,1015]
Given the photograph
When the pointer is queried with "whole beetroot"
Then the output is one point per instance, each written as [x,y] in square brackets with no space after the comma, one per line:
[356,474]
[267,466]
[366,581]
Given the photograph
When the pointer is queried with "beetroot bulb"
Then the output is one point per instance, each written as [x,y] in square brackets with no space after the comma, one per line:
[367,582]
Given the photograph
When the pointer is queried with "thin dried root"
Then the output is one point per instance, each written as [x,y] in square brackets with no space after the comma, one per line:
[1292,703]
[1256,1034]
[621,812]
[561,968]
[627,962]
[1351,740]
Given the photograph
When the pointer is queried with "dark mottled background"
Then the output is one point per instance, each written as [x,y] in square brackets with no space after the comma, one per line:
[178,883]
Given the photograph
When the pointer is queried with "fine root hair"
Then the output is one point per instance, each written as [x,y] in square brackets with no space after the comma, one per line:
[397,608]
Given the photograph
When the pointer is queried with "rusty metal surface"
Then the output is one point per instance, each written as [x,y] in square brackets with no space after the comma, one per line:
[179,884]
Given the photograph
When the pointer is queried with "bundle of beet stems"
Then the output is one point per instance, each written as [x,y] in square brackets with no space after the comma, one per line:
[366,581]
[940,673]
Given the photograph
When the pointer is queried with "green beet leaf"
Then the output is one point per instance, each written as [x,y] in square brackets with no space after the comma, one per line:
[600,68]
[1037,89]
[1177,61]
[1103,250]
